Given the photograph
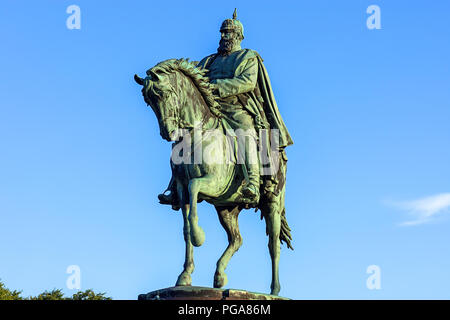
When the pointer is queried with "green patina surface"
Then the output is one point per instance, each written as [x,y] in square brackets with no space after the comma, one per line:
[228,90]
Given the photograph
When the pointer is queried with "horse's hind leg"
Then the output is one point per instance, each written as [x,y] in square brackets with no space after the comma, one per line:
[184,279]
[228,217]
[272,215]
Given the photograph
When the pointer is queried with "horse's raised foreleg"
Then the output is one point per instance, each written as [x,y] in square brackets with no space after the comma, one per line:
[197,234]
[228,217]
[272,215]
[184,279]
[208,185]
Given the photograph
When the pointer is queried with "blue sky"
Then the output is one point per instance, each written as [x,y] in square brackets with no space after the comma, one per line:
[82,161]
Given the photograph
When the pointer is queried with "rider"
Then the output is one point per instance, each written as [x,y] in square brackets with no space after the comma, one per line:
[240,80]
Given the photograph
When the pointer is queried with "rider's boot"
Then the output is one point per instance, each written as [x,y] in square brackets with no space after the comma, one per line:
[170,198]
[251,189]
[166,198]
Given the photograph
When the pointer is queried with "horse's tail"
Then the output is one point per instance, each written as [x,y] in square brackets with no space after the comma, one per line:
[285,231]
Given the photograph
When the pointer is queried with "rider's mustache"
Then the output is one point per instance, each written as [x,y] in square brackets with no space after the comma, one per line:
[226,46]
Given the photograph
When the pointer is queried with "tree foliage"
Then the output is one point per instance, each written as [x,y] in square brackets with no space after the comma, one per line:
[6,294]
[55,294]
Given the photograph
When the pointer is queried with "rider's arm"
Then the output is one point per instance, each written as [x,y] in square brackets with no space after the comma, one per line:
[244,82]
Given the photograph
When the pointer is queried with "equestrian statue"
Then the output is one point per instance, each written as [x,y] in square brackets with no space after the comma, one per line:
[228,147]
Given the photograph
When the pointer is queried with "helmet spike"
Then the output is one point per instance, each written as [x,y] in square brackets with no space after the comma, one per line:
[233,24]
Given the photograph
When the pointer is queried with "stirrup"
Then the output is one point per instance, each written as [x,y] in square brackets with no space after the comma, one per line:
[165,199]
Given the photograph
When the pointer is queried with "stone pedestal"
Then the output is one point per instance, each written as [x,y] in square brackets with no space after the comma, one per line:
[204,293]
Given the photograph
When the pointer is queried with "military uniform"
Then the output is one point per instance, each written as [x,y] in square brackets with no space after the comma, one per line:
[246,99]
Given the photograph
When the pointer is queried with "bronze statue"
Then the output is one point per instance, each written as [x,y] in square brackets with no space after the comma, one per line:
[227,130]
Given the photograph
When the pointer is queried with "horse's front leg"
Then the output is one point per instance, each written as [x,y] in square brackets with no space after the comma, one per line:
[197,233]
[184,279]
[209,185]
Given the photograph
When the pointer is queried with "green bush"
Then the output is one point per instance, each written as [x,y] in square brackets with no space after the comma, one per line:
[55,294]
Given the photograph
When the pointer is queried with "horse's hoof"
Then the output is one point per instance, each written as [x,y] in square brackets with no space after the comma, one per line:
[184,279]
[197,236]
[220,279]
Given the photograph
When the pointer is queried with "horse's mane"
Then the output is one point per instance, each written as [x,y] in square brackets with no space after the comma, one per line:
[197,75]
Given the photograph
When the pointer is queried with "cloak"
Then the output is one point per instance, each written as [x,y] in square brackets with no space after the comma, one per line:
[270,105]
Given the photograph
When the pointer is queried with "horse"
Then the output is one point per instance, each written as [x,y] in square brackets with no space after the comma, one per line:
[182,99]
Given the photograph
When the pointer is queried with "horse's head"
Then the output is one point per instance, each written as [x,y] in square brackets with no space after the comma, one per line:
[181,97]
[159,93]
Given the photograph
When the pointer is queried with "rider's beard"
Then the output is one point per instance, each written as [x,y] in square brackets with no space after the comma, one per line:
[227,46]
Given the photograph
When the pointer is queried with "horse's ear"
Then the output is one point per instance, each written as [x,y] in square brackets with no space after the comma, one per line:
[152,74]
[138,80]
